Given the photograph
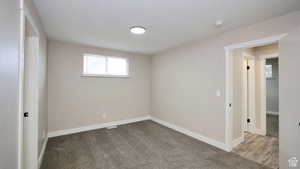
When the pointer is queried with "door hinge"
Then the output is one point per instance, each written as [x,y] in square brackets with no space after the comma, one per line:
[26,114]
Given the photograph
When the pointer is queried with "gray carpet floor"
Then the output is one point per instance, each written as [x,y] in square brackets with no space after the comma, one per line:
[272,125]
[142,145]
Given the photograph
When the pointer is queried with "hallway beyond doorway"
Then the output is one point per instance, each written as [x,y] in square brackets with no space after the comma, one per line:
[272,125]
[261,149]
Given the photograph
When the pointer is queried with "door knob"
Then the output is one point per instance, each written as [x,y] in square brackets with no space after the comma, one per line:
[26,114]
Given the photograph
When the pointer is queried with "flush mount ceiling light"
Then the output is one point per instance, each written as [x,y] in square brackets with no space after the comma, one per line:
[138,30]
[219,23]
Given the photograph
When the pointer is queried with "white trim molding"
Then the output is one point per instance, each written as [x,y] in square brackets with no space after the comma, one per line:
[197,136]
[41,156]
[256,43]
[273,113]
[21,87]
[238,141]
[229,76]
[228,99]
[194,135]
[260,132]
[95,126]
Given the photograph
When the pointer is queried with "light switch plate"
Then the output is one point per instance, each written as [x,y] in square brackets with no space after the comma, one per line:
[218,93]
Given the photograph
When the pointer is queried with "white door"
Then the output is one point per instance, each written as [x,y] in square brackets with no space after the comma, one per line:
[289,104]
[30,108]
[249,95]
[245,95]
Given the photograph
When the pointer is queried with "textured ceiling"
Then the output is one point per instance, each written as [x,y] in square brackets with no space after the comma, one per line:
[169,23]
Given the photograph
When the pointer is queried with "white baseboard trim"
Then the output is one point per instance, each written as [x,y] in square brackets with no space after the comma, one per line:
[273,113]
[260,132]
[197,136]
[237,141]
[96,126]
[41,156]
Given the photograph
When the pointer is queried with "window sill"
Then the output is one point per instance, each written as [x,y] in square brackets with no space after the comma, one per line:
[105,76]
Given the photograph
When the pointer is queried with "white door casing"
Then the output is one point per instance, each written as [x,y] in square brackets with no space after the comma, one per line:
[30,103]
[229,77]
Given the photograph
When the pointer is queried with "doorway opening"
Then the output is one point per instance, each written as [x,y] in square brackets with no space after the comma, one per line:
[252,114]
[253,88]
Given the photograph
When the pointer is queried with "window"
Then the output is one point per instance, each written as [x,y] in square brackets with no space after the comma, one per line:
[269,73]
[105,66]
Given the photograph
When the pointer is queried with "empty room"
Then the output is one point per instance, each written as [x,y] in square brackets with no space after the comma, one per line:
[140,84]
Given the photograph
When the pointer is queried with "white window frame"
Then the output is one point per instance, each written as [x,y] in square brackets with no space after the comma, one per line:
[106,60]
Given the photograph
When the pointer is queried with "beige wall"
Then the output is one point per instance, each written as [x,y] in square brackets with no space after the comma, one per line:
[42,66]
[76,101]
[9,59]
[185,79]
[268,50]
[289,84]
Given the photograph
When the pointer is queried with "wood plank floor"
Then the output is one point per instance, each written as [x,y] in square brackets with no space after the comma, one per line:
[142,145]
[261,149]
[272,125]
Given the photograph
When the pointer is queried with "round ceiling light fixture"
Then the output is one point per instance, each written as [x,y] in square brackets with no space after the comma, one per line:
[219,23]
[138,30]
